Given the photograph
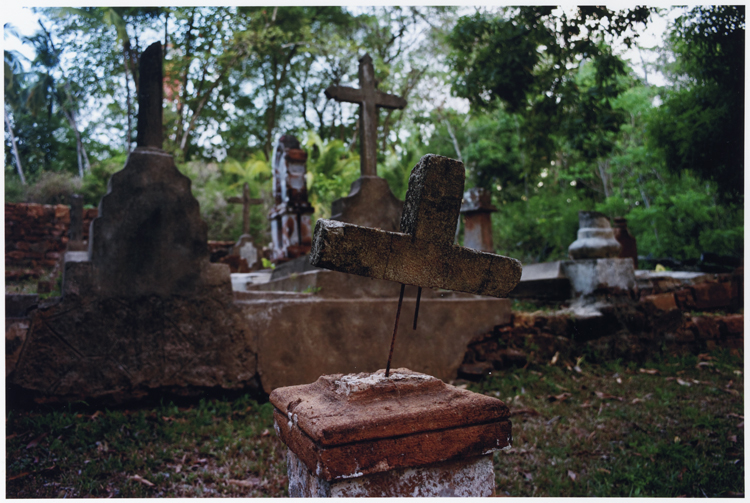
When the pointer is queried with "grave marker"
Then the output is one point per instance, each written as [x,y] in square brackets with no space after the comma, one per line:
[370,201]
[246,201]
[290,216]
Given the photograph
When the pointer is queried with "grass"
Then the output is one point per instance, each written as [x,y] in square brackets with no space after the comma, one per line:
[214,448]
[676,428]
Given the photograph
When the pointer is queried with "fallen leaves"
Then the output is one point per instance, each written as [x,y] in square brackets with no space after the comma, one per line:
[573,475]
[607,396]
[649,371]
[141,480]
[251,482]
[682,382]
[527,411]
[559,398]
[36,441]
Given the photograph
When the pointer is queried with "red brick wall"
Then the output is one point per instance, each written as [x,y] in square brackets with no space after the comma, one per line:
[36,235]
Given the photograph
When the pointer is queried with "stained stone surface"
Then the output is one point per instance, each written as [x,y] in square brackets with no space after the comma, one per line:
[303,336]
[463,478]
[423,253]
[346,426]
[149,237]
[115,349]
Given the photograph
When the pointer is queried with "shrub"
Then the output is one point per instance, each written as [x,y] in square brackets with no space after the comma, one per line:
[53,188]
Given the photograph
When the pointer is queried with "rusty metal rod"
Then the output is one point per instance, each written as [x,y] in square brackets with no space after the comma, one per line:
[395,327]
[416,309]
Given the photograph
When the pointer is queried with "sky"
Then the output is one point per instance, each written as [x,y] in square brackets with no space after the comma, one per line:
[26,23]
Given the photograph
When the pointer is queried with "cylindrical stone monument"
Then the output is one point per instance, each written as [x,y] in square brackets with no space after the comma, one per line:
[408,434]
[595,237]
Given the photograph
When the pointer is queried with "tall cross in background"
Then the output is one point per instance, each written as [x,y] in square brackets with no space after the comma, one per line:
[369,99]
[246,201]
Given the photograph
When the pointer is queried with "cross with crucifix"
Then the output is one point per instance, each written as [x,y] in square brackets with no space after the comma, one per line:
[423,253]
[369,99]
[246,201]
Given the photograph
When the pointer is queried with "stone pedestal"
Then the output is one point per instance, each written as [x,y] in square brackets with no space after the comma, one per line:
[370,203]
[588,276]
[595,238]
[408,434]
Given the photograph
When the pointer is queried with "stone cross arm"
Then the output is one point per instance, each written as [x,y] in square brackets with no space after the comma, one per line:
[352,95]
[423,253]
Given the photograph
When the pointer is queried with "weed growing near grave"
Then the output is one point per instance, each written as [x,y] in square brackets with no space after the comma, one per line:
[667,428]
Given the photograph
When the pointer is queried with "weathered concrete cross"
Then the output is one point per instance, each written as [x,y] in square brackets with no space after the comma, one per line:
[369,99]
[246,201]
[423,253]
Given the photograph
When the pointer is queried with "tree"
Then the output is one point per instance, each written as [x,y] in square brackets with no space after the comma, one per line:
[526,60]
[700,125]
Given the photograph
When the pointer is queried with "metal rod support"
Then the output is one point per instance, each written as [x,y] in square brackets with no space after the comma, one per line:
[395,328]
[416,309]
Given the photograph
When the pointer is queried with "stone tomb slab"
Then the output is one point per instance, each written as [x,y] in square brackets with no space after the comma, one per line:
[349,427]
[302,336]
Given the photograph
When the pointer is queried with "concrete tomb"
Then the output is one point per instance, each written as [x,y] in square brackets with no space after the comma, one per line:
[406,433]
[476,209]
[144,309]
[290,216]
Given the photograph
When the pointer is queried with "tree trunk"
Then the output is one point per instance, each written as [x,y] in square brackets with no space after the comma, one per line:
[15,148]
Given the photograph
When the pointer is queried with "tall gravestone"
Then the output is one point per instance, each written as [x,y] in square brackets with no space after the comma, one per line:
[290,216]
[370,201]
[146,310]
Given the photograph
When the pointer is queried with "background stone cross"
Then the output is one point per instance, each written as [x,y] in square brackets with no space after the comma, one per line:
[423,253]
[369,99]
[246,201]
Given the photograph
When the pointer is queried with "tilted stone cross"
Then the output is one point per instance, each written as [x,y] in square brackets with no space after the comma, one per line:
[423,253]
[246,201]
[369,99]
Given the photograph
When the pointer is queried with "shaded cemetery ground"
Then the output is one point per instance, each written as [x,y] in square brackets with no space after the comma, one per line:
[668,427]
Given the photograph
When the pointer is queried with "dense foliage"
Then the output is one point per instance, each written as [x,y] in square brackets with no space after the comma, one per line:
[557,122]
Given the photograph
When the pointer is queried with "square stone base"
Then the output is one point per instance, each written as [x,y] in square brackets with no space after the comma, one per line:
[470,477]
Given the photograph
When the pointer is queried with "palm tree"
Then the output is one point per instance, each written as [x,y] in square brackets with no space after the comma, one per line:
[13,74]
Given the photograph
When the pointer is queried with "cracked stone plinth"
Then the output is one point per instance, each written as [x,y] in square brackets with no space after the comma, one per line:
[342,427]
[423,253]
